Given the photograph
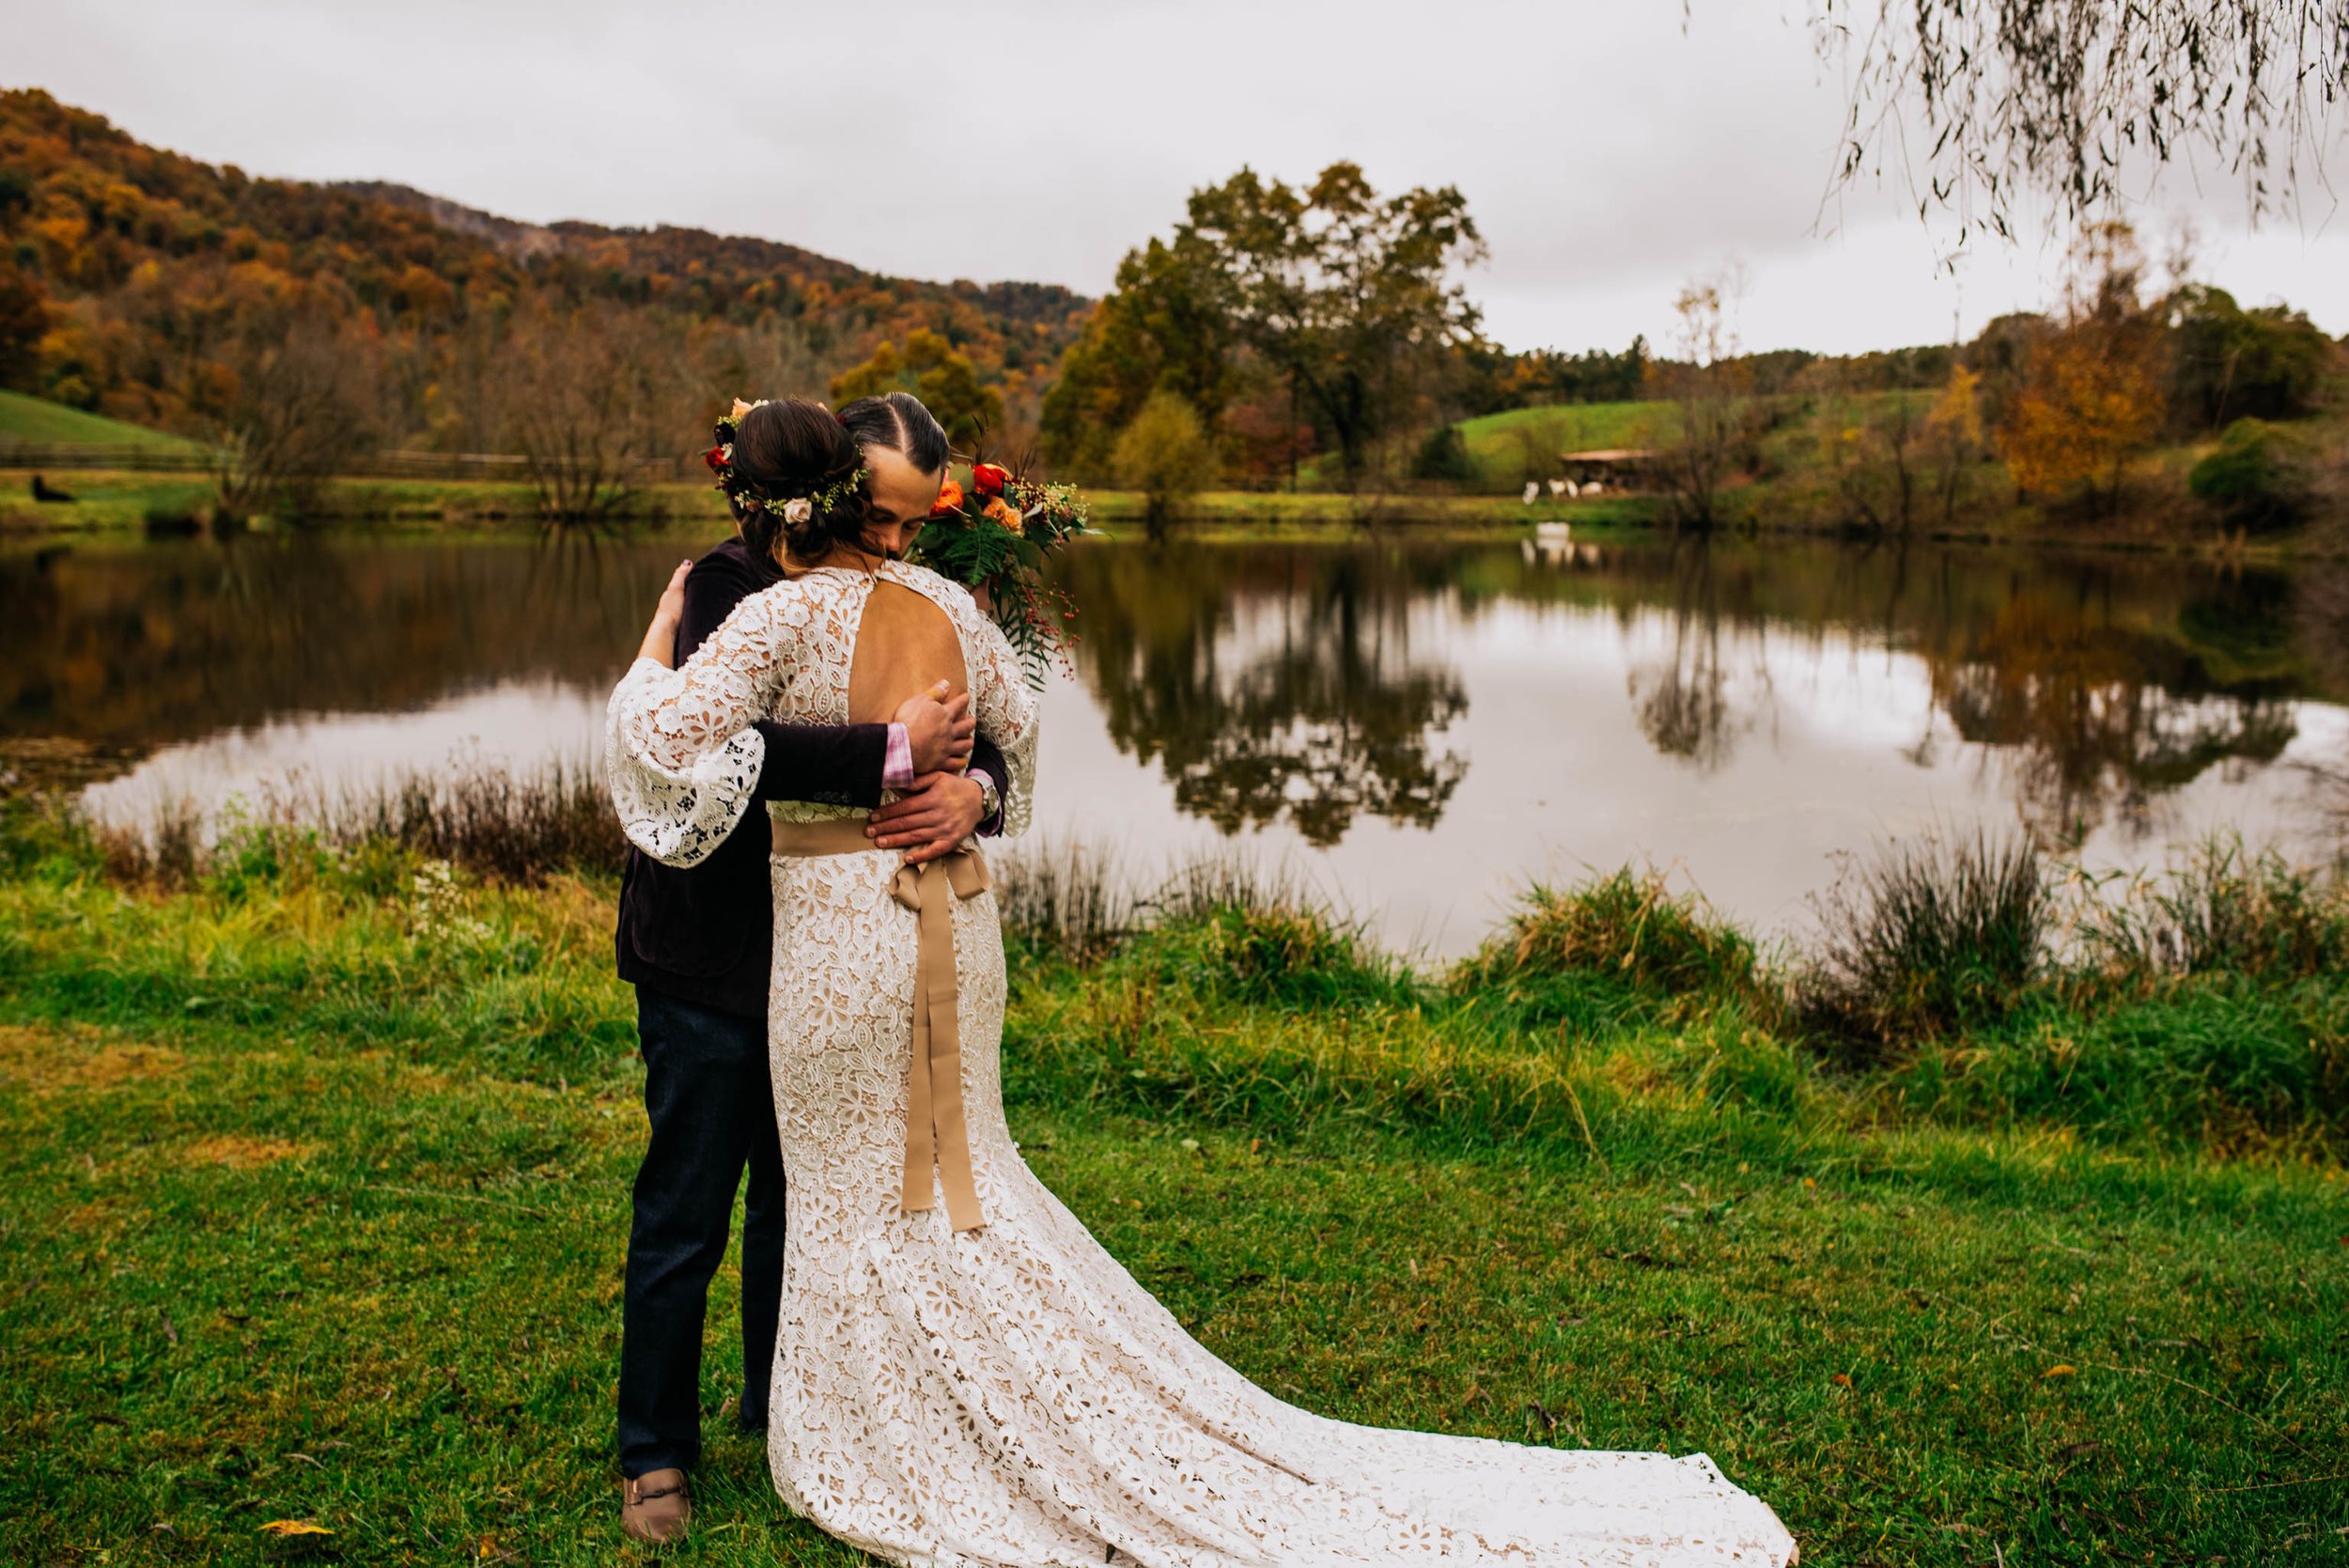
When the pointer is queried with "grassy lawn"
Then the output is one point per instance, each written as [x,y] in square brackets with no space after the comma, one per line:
[1498,443]
[315,1195]
[106,501]
[38,421]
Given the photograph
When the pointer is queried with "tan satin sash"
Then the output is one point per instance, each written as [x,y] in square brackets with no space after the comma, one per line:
[936,1135]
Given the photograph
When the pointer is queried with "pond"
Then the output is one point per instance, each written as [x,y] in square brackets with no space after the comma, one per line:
[1414,726]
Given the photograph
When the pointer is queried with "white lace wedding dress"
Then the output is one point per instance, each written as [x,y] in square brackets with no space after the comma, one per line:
[1008,1396]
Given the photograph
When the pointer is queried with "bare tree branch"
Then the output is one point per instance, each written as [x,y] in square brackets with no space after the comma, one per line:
[2068,98]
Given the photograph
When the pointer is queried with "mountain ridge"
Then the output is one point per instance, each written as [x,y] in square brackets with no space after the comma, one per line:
[144,265]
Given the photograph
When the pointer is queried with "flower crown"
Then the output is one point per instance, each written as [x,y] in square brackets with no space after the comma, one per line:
[751,495]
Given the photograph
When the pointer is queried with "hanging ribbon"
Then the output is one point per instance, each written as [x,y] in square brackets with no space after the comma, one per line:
[936,1136]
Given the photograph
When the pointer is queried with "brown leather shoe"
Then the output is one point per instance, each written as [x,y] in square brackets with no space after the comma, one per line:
[655,1508]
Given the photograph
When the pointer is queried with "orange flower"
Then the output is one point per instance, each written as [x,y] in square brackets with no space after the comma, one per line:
[949,499]
[988,479]
[995,511]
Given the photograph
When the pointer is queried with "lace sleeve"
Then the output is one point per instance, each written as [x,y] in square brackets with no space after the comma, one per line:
[680,752]
[1008,710]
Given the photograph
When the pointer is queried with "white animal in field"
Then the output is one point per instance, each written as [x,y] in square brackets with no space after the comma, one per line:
[1560,487]
[1532,491]
[1592,488]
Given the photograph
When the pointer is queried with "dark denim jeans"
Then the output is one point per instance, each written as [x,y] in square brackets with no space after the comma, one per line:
[713,1112]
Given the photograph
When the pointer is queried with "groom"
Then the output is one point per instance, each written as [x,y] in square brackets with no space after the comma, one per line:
[697,943]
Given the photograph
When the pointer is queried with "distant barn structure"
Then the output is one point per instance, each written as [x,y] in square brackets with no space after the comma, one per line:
[1612,468]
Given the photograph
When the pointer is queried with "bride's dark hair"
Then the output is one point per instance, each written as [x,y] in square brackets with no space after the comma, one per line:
[792,448]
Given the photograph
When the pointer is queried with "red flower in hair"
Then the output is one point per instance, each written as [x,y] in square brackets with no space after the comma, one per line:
[716,459]
[988,479]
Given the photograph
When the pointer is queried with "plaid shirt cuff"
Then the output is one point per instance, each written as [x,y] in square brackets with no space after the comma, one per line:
[897,760]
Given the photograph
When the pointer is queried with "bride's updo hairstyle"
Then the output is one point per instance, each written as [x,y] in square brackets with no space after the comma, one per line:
[795,479]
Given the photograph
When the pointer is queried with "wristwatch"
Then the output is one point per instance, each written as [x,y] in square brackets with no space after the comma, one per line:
[991,798]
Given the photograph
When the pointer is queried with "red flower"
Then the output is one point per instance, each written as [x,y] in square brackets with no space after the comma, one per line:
[716,459]
[988,479]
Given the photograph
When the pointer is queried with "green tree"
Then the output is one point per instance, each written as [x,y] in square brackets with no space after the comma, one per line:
[1347,295]
[1166,453]
[1166,323]
[2228,363]
[1342,296]
[930,368]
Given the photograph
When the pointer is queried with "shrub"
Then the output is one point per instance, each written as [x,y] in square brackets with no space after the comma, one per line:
[489,821]
[506,828]
[1586,953]
[1444,457]
[2259,478]
[1166,454]
[2223,910]
[1925,939]
[1065,899]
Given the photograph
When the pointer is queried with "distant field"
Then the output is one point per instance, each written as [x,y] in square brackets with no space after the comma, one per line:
[38,421]
[1498,442]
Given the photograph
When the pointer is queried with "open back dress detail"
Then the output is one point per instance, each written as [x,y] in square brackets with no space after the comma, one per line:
[1008,1396]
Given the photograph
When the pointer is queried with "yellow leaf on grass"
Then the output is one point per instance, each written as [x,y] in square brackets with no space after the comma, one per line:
[294,1526]
[2062,1368]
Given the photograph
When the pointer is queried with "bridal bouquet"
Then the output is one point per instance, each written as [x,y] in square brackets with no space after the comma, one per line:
[994,537]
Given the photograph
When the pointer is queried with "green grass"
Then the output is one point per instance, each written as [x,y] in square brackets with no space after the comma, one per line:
[1496,441]
[38,421]
[1243,514]
[313,1184]
[103,501]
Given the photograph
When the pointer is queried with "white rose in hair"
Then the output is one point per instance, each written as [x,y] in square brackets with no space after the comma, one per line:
[798,510]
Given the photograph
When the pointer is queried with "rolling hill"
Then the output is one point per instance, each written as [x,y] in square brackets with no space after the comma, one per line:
[149,271]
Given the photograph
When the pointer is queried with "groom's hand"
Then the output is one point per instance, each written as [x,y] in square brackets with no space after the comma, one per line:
[938,732]
[929,819]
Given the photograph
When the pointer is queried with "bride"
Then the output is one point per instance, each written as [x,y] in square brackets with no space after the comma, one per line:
[963,1376]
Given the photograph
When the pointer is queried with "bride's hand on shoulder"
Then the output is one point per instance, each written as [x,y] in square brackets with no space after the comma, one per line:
[929,819]
[659,644]
[938,729]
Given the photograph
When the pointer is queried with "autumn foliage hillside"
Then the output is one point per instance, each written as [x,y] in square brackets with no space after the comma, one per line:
[147,286]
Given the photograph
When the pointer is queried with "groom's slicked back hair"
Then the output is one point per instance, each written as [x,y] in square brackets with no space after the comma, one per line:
[899,422]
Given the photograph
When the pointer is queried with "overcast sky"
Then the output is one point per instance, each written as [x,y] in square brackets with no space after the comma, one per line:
[1608,153]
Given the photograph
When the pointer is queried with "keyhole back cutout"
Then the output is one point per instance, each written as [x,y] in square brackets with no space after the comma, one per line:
[904,646]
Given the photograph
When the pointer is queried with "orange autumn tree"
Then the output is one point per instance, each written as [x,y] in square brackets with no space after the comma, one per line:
[2092,392]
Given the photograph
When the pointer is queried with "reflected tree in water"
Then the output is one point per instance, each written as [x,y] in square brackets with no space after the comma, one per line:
[144,646]
[1271,687]
[2100,721]
[1688,703]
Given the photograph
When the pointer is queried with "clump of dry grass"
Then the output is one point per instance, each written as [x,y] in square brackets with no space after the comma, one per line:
[519,828]
[1925,939]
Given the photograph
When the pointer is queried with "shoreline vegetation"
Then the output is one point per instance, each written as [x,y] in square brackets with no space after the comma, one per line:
[109,503]
[1973,1229]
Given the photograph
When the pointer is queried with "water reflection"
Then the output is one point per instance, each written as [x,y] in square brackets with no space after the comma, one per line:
[1427,719]
[1270,686]
[1282,682]
[147,644]
[1705,692]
